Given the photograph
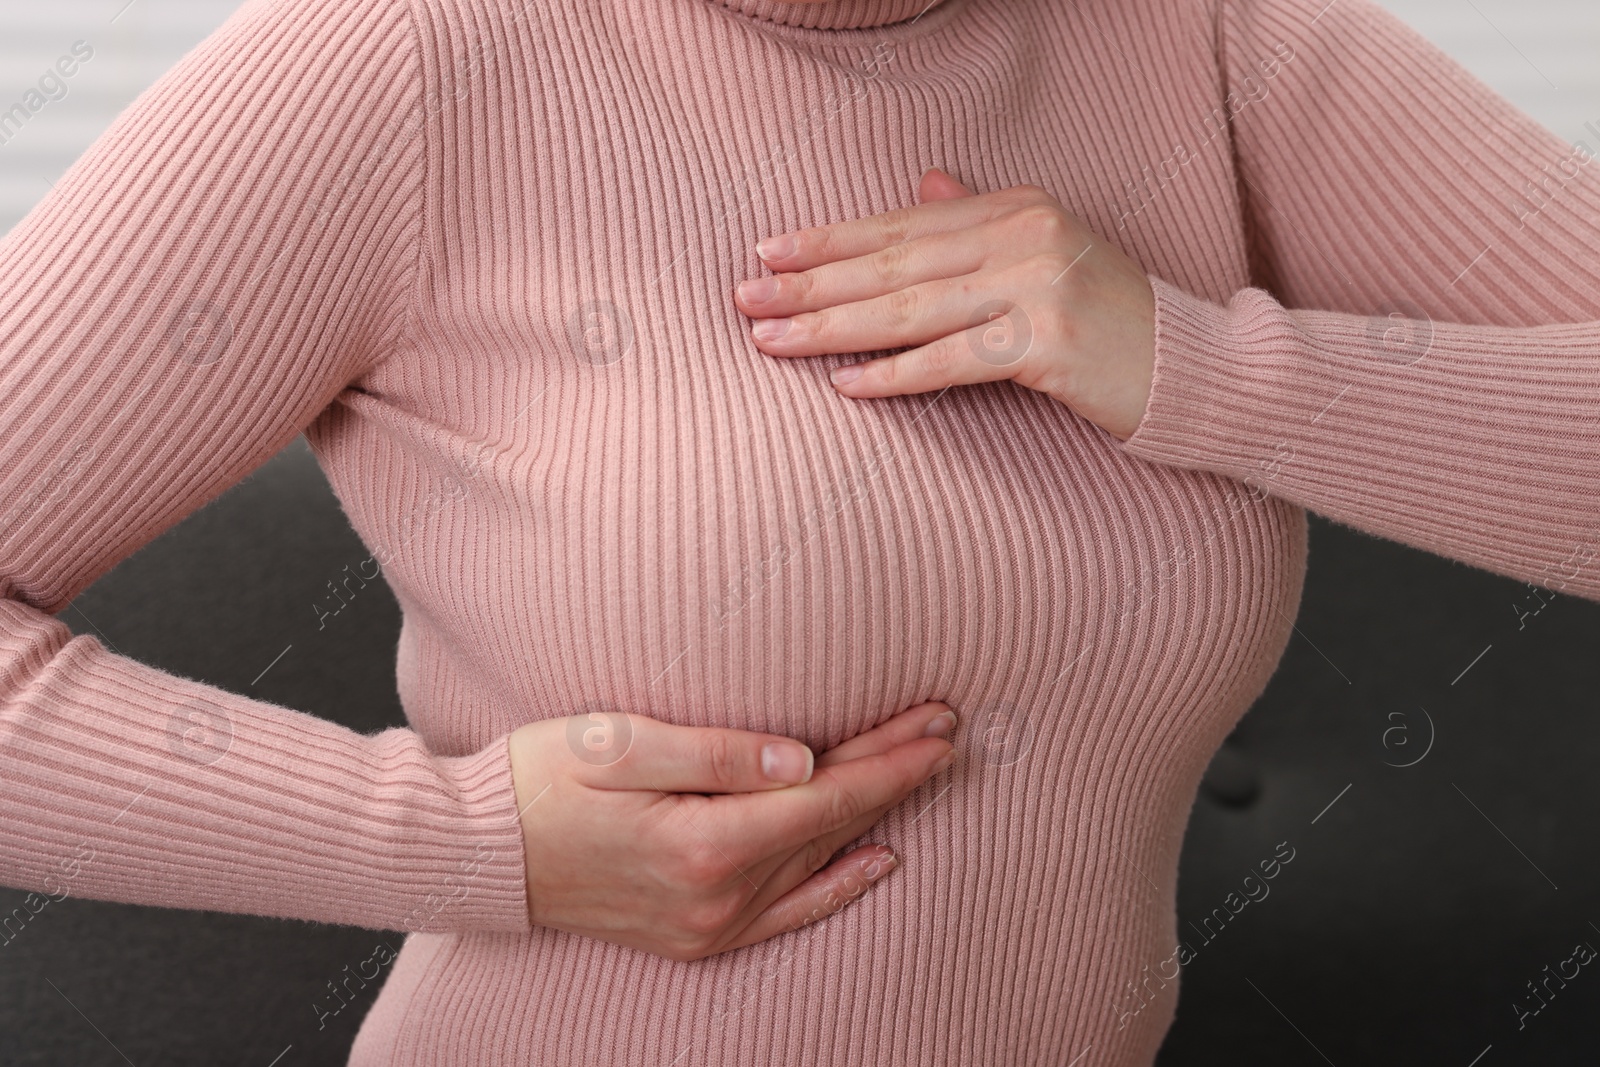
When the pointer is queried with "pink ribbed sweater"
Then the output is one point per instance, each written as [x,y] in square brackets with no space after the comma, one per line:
[482,253]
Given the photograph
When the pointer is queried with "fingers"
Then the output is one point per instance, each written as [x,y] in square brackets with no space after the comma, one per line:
[944,255]
[758,825]
[937,185]
[914,316]
[804,249]
[989,352]
[784,873]
[822,894]
[858,288]
[899,266]
[691,759]
[933,719]
[785,868]
[703,759]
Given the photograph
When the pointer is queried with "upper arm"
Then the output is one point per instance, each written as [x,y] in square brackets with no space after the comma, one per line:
[233,251]
[1377,174]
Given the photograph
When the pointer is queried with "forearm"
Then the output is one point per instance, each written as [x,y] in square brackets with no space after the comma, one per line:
[122,782]
[1474,442]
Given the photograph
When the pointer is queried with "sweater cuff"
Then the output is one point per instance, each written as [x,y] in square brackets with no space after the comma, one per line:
[1205,406]
[493,880]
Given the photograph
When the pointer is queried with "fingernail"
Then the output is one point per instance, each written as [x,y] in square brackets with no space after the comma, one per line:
[770,329]
[944,761]
[787,763]
[885,863]
[775,247]
[844,375]
[757,290]
[940,724]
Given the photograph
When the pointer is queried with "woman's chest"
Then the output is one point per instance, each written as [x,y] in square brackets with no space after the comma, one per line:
[676,523]
[743,546]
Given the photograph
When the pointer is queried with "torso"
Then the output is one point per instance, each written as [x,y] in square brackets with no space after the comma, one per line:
[692,530]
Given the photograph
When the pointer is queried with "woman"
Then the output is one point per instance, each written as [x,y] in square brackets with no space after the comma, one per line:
[482,252]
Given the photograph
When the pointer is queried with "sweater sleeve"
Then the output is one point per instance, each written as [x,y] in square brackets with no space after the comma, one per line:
[236,249]
[1418,356]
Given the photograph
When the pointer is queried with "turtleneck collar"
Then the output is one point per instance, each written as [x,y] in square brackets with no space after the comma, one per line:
[833,14]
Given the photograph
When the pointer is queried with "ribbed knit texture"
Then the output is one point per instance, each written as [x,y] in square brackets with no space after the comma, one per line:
[482,253]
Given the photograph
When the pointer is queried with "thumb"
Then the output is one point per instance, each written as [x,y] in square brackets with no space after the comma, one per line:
[937,185]
[649,753]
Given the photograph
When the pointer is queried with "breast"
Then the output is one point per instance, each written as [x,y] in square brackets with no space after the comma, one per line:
[685,527]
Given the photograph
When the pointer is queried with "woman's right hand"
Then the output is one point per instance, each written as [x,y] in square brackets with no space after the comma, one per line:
[621,845]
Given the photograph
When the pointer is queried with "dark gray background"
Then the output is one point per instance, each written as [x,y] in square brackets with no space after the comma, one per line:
[1415,910]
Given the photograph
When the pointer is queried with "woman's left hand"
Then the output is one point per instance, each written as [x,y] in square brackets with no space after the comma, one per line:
[1004,285]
